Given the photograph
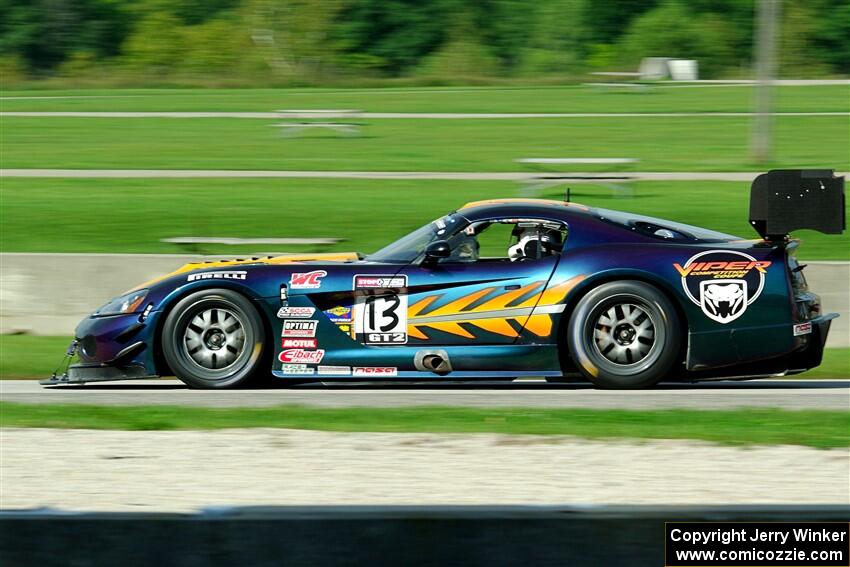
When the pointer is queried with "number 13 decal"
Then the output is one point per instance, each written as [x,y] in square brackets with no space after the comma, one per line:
[382,319]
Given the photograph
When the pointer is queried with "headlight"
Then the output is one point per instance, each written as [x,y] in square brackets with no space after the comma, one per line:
[128,303]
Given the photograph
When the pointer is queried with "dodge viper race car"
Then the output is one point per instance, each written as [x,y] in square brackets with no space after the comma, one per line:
[496,290]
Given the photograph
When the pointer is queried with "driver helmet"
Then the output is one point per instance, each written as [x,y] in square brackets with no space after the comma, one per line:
[535,242]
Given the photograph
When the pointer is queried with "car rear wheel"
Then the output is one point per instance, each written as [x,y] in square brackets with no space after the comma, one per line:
[624,335]
[214,339]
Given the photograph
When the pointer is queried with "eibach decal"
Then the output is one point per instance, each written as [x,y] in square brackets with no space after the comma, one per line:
[301,356]
[374,371]
[307,280]
[297,328]
[299,343]
[295,312]
[723,282]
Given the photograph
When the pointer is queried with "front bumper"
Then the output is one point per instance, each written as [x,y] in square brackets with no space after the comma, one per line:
[81,373]
[109,348]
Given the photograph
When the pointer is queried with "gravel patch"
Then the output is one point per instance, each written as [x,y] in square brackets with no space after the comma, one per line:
[186,470]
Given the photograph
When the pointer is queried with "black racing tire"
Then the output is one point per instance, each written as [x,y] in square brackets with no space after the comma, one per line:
[624,335]
[214,338]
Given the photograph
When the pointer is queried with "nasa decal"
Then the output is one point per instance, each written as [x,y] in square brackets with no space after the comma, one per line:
[722,282]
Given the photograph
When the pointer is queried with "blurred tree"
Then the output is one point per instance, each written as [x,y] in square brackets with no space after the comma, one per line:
[831,36]
[672,30]
[46,32]
[395,35]
[605,22]
[463,55]
[555,42]
[294,36]
[156,45]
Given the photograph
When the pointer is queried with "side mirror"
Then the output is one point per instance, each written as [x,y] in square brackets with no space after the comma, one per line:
[436,251]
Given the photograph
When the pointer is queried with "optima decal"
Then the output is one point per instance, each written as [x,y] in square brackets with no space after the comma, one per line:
[300,356]
[307,280]
[723,282]
[218,276]
[299,329]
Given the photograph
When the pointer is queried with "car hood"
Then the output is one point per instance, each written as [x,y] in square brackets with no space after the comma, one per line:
[330,258]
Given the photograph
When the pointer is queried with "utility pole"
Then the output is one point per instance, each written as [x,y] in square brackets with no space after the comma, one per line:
[767,19]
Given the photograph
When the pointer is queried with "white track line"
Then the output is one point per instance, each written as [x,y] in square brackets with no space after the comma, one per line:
[403,115]
[574,177]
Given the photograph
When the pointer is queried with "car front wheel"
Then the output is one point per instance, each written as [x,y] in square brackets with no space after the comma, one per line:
[624,335]
[214,339]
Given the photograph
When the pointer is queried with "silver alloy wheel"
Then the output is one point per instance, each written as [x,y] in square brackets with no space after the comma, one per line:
[214,338]
[624,333]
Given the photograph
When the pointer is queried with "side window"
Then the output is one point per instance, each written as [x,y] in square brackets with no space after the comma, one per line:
[508,240]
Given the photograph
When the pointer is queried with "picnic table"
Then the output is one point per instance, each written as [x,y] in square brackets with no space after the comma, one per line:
[617,180]
[319,119]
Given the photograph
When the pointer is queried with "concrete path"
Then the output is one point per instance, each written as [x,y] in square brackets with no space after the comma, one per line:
[575,176]
[185,470]
[788,394]
[401,115]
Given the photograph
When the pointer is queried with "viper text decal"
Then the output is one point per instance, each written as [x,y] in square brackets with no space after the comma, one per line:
[307,280]
[722,282]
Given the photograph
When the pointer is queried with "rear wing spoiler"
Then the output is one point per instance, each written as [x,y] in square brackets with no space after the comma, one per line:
[783,200]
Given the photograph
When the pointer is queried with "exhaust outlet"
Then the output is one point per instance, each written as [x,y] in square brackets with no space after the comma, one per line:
[436,361]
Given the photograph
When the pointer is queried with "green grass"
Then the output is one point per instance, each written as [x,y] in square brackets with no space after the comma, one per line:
[29,357]
[661,144]
[438,99]
[752,426]
[132,215]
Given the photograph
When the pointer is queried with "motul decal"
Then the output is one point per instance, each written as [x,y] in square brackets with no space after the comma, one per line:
[375,371]
[298,343]
[300,356]
[296,328]
[722,282]
[307,280]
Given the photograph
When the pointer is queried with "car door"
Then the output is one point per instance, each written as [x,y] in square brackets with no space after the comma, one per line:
[472,297]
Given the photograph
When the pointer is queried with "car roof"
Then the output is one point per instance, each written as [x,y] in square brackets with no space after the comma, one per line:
[547,208]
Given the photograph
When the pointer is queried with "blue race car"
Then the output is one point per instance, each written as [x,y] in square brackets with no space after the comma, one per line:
[498,289]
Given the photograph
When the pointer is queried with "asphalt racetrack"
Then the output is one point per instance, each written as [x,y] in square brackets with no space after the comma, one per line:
[788,394]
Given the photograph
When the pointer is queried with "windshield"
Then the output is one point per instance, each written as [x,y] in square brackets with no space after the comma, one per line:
[410,247]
